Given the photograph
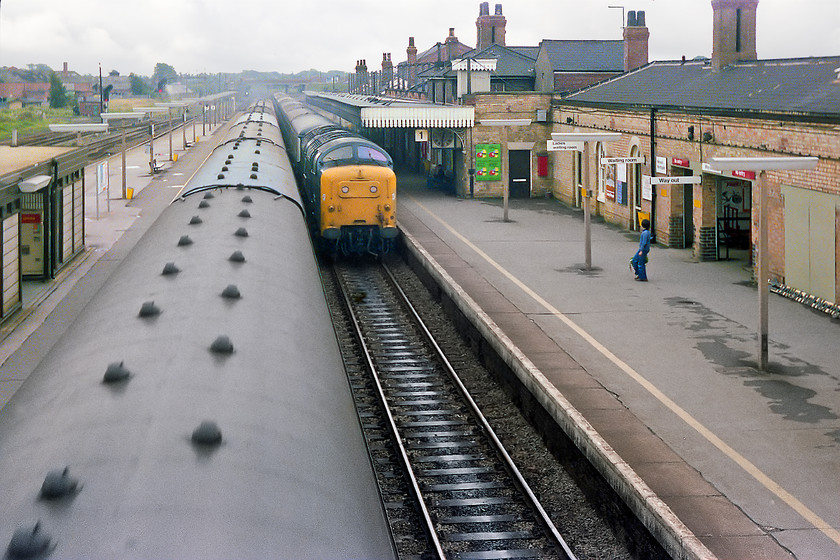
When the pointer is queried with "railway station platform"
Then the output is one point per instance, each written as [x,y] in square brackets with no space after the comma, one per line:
[656,381]
[111,222]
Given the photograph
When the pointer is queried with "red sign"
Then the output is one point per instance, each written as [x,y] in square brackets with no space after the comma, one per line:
[610,190]
[30,218]
[680,162]
[750,175]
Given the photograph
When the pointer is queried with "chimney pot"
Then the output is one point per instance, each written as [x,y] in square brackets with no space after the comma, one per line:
[498,9]
[631,18]
[484,9]
[411,41]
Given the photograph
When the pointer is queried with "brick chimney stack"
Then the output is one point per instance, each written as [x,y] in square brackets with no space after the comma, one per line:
[450,42]
[387,68]
[636,36]
[733,36]
[490,29]
[411,55]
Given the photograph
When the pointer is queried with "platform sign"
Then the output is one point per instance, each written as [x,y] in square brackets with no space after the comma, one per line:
[661,165]
[103,184]
[647,188]
[102,176]
[686,180]
[421,135]
[560,146]
[622,160]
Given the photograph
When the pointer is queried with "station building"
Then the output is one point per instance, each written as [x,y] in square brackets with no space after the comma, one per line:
[673,115]
[679,114]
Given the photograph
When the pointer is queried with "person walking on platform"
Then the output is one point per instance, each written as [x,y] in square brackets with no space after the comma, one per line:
[640,258]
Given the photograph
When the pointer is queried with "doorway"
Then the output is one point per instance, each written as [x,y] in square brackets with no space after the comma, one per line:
[734,222]
[520,173]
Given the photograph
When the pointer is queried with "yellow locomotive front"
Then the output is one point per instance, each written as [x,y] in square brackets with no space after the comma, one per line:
[358,208]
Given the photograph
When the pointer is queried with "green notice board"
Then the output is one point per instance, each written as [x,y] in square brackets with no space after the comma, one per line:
[488,162]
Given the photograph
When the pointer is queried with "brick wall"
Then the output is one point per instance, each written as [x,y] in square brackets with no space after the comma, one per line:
[505,105]
[712,136]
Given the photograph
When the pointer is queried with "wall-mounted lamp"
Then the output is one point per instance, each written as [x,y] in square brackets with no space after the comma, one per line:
[707,137]
[691,133]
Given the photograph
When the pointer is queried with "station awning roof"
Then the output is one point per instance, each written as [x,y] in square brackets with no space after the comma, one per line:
[382,112]
[418,117]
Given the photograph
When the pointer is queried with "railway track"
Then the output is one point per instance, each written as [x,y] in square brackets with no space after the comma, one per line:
[99,145]
[449,487]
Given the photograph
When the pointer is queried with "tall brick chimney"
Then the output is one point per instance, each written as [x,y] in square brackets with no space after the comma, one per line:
[387,68]
[733,35]
[450,42]
[411,56]
[636,37]
[490,29]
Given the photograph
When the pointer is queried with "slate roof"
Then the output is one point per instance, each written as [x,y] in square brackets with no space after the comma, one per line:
[438,50]
[796,86]
[510,61]
[584,55]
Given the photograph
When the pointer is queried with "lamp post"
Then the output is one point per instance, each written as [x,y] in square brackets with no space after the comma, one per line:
[505,123]
[762,165]
[586,138]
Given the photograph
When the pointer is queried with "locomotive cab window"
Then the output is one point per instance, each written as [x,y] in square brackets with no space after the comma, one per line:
[338,154]
[371,153]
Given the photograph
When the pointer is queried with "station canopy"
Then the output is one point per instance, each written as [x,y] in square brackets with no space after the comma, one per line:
[382,112]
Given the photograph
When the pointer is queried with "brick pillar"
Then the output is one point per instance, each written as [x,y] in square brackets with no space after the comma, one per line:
[705,245]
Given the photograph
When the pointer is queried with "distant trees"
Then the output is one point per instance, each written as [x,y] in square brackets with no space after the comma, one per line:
[163,74]
[139,86]
[58,94]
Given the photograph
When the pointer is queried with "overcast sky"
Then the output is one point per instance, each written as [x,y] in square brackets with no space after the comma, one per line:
[288,36]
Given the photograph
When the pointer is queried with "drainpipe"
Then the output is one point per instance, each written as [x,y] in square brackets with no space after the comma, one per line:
[653,174]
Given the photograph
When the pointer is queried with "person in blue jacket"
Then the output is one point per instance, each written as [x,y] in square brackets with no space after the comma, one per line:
[640,258]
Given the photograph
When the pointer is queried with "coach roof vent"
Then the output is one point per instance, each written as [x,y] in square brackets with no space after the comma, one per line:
[222,345]
[149,309]
[59,484]
[116,373]
[207,434]
[29,542]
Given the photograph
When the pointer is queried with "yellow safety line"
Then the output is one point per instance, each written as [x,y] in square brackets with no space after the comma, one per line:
[771,485]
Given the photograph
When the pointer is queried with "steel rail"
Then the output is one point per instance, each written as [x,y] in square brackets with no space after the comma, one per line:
[513,470]
[429,525]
